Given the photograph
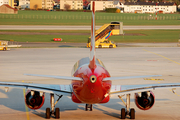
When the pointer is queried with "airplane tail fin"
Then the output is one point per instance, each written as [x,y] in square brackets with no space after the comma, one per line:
[92,63]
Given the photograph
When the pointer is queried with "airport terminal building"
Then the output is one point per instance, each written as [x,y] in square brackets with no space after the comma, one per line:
[150,7]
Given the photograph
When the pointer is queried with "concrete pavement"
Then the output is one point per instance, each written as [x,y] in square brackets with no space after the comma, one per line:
[126,61]
[83,45]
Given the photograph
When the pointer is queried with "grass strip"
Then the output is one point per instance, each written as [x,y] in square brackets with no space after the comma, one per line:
[84,18]
[131,36]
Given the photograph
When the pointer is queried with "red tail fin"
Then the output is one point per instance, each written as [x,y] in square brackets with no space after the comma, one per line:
[92,63]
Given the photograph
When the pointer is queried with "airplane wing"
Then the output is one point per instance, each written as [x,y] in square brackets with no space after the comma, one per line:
[129,77]
[56,77]
[48,88]
[129,89]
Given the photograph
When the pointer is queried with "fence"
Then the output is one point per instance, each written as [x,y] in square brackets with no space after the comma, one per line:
[76,17]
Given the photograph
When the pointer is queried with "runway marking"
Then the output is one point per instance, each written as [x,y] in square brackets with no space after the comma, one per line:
[153,79]
[162,56]
[174,93]
[167,59]
[27,111]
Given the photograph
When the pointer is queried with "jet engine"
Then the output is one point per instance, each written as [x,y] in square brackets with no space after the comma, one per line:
[144,100]
[34,99]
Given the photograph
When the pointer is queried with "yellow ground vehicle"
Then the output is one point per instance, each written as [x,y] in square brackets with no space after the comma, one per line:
[3,45]
[106,44]
[103,33]
[3,48]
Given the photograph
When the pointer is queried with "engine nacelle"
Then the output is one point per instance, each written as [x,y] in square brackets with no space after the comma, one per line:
[144,100]
[34,99]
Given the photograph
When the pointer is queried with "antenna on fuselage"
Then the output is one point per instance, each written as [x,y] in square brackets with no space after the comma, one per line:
[92,63]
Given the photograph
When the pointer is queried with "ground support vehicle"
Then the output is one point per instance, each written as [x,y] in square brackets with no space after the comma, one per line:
[4,48]
[106,44]
[3,45]
[103,33]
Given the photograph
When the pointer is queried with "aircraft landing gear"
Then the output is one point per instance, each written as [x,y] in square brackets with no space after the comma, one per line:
[52,112]
[128,111]
[88,106]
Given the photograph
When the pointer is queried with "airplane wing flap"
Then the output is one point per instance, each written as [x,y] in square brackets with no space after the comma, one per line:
[129,89]
[58,89]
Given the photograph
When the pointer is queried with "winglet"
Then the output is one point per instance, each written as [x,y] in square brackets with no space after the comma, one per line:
[92,64]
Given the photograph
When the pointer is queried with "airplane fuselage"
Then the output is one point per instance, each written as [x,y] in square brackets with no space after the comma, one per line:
[92,89]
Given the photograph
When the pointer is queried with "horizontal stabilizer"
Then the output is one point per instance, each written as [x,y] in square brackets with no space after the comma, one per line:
[56,77]
[129,77]
[131,89]
[48,88]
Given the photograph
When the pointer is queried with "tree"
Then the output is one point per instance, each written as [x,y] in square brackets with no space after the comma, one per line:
[177,2]
[67,7]
[35,6]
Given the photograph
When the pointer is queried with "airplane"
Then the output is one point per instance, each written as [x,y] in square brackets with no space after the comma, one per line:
[91,84]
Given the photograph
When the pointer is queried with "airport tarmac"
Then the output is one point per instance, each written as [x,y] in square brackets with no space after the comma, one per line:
[122,61]
[83,45]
